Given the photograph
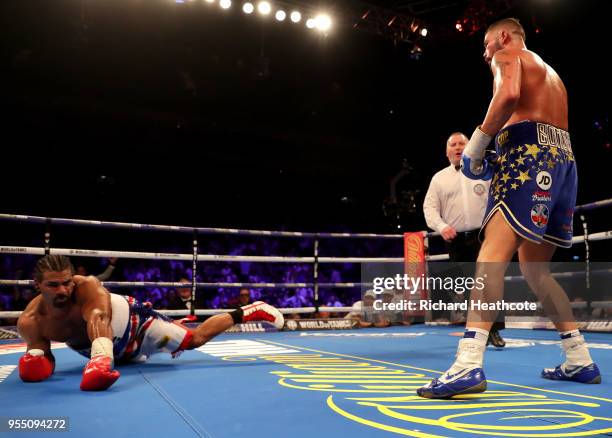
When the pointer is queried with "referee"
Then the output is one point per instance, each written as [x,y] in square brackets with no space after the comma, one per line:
[455,206]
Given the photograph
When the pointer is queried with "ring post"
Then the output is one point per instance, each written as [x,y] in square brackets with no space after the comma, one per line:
[315,275]
[587,259]
[194,273]
[47,236]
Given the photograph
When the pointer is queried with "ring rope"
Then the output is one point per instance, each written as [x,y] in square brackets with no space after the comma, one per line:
[199,230]
[594,205]
[202,285]
[200,257]
[288,311]
[232,231]
[199,285]
[604,235]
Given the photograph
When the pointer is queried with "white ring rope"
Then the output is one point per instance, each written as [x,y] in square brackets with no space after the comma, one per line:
[199,230]
[201,257]
[231,231]
[208,312]
[140,284]
[202,285]
[288,311]
[604,235]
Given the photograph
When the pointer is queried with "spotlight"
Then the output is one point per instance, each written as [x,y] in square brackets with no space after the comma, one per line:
[264,8]
[248,8]
[424,32]
[323,22]
[459,27]
[281,15]
[225,4]
[296,16]
[311,23]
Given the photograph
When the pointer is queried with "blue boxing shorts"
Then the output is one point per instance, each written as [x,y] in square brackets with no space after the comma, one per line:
[535,182]
[139,332]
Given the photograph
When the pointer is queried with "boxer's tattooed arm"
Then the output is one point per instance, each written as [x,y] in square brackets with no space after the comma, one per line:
[506,68]
[503,68]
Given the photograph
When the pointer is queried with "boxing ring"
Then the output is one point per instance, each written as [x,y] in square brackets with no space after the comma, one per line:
[306,382]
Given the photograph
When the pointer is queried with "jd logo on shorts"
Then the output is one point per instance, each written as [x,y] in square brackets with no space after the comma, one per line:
[544,180]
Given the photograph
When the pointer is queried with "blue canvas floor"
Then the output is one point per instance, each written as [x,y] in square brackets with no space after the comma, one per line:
[356,383]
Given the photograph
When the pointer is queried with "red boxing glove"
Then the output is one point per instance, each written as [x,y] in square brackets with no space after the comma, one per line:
[260,311]
[98,375]
[34,366]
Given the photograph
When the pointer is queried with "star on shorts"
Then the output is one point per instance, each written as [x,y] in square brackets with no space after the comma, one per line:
[533,150]
[523,176]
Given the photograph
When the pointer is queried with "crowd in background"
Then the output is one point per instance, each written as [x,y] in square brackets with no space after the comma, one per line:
[135,270]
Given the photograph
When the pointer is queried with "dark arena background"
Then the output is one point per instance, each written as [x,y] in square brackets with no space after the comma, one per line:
[279,158]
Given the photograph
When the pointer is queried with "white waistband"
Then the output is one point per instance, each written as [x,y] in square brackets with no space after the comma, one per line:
[120,316]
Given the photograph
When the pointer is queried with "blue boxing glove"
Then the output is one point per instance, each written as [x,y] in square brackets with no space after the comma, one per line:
[487,167]
[473,163]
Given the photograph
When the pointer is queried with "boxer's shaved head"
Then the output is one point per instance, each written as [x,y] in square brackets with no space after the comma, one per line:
[511,25]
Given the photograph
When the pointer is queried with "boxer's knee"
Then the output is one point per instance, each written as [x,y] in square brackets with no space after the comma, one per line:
[535,273]
[535,263]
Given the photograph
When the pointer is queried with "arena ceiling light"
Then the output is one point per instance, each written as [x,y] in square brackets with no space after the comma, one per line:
[424,32]
[281,15]
[225,4]
[264,8]
[323,22]
[248,8]
[296,17]
[311,23]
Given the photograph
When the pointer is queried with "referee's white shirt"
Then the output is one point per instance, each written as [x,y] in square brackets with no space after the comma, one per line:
[455,200]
